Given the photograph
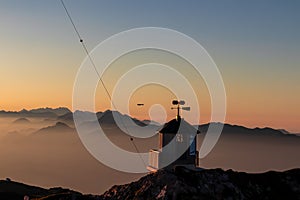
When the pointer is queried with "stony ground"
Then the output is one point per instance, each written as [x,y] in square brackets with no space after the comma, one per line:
[179,183]
[210,184]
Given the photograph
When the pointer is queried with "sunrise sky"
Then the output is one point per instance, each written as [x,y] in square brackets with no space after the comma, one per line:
[255,44]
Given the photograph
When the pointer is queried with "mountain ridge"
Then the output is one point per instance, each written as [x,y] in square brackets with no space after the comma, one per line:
[37,112]
[229,128]
[57,127]
[65,115]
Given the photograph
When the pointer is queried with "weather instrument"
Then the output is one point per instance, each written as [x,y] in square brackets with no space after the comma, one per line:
[179,106]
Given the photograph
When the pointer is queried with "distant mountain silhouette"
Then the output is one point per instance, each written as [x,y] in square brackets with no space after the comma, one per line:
[68,117]
[39,112]
[26,113]
[107,117]
[58,111]
[59,127]
[235,129]
[22,120]
[104,118]
[255,150]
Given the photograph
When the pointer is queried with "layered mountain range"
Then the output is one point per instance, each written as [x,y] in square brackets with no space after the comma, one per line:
[63,114]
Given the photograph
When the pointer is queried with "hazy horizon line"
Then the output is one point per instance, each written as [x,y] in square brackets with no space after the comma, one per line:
[66,107]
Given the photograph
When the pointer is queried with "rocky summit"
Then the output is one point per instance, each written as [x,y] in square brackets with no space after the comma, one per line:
[182,183]
[179,183]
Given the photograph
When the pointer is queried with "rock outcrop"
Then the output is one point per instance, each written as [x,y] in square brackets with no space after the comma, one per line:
[209,184]
[11,190]
[178,184]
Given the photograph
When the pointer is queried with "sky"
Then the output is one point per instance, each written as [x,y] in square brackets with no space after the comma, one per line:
[255,44]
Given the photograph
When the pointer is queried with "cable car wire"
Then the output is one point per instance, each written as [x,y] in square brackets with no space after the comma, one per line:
[101,80]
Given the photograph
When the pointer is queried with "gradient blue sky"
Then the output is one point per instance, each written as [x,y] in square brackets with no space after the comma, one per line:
[256,45]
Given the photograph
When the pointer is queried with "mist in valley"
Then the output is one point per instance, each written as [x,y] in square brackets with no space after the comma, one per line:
[48,152]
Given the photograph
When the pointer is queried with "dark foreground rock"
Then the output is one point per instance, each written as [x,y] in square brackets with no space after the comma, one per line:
[210,184]
[10,190]
[180,183]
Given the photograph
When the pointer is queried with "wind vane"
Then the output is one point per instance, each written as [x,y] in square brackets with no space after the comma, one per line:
[179,106]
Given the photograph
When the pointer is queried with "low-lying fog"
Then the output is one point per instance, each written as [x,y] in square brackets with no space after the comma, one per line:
[56,157]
